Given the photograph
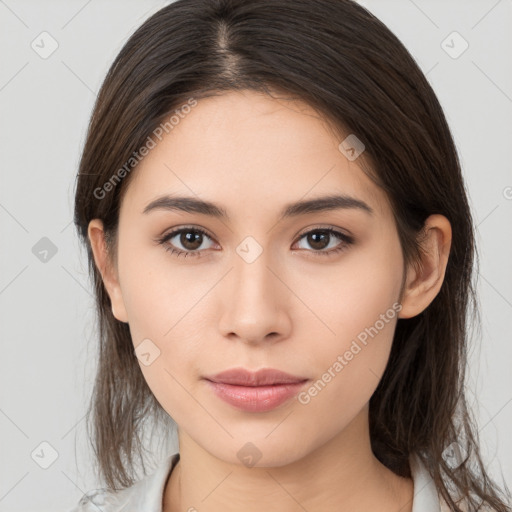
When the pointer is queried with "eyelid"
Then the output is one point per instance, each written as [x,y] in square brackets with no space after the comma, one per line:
[171,232]
[327,227]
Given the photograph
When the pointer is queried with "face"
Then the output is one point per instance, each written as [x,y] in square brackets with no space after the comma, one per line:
[256,288]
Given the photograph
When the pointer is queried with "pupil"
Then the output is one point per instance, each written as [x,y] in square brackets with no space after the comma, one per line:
[191,242]
[316,243]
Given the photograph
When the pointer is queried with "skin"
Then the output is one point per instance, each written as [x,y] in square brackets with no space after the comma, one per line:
[252,154]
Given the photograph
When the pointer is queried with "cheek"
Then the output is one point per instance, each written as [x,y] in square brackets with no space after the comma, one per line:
[161,321]
[164,312]
[350,296]
[157,292]
[358,305]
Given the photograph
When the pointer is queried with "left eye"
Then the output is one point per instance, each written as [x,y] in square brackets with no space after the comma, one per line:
[191,240]
[317,239]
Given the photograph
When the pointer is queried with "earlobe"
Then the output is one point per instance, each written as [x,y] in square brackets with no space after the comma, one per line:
[425,278]
[106,268]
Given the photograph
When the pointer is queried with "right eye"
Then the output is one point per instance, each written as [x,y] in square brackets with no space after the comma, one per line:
[190,239]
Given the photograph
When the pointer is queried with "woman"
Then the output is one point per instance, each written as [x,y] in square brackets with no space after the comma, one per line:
[282,250]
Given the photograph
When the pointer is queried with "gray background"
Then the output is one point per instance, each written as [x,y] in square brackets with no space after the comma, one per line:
[46,307]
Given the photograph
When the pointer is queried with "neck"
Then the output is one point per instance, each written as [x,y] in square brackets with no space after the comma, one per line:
[342,474]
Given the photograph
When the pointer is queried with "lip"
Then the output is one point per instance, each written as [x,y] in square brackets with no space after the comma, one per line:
[259,391]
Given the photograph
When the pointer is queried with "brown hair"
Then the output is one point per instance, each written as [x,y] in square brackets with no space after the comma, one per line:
[340,59]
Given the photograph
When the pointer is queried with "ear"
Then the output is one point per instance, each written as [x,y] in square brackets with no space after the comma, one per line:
[106,268]
[424,279]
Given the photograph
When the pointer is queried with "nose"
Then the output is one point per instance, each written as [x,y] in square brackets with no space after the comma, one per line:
[256,302]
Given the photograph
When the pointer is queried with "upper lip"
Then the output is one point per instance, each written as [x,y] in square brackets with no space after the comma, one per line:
[263,377]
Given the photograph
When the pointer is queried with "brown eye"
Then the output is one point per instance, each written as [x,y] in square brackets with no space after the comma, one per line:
[191,240]
[185,241]
[320,239]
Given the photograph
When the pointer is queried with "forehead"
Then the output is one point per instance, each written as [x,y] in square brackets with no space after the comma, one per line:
[245,148]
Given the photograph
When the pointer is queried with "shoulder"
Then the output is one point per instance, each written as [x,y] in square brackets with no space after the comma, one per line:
[463,506]
[104,500]
[146,494]
[428,497]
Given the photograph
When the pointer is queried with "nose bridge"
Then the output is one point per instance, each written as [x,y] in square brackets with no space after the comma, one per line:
[252,307]
[253,279]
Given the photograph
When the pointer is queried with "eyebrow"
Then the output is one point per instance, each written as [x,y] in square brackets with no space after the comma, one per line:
[319,204]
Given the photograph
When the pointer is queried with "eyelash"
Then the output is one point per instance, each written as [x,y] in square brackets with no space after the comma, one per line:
[345,239]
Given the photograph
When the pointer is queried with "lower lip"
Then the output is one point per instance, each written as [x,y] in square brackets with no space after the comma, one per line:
[256,398]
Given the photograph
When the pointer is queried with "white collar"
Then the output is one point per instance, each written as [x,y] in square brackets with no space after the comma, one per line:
[147,493]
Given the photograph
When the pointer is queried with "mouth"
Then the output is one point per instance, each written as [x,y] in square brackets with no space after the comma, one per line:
[259,391]
[263,377]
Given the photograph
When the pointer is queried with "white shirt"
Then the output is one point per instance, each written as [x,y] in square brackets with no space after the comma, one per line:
[146,495]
